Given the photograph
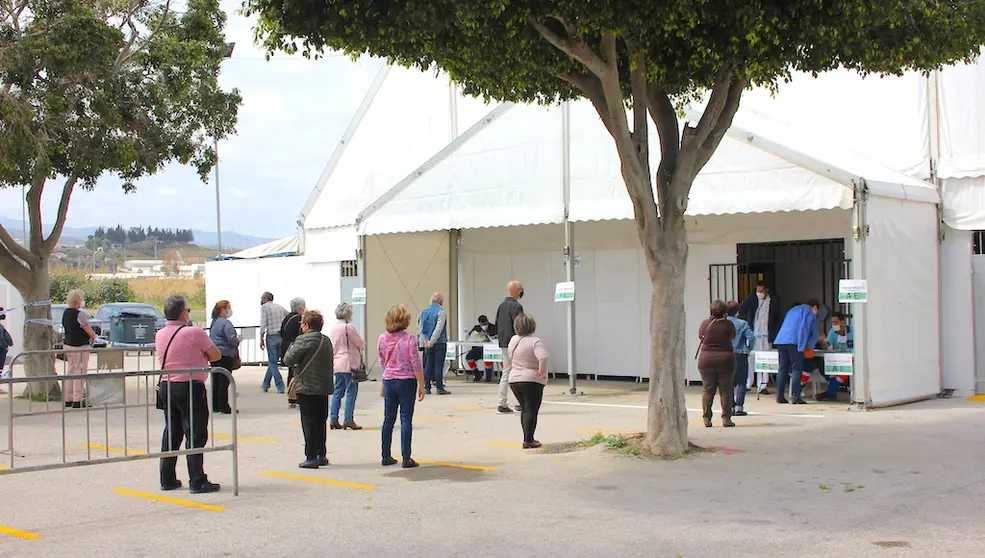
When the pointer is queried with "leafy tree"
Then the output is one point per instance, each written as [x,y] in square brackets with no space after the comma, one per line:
[647,54]
[96,87]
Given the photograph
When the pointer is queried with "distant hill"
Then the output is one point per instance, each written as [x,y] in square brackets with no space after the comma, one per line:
[76,236]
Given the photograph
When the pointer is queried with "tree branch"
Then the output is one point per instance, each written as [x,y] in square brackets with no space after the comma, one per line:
[49,244]
[19,275]
[15,249]
[729,108]
[608,48]
[572,46]
[36,238]
[591,87]
[696,137]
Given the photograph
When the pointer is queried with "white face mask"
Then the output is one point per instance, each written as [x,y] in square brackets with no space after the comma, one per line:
[483,328]
[230,314]
[762,296]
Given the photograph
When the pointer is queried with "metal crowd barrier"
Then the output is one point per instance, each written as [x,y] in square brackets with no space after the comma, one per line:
[112,396]
[249,348]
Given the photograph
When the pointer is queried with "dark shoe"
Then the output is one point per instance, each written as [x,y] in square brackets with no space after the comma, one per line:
[323,461]
[519,409]
[782,400]
[487,380]
[205,488]
[531,445]
[351,426]
[503,410]
[308,464]
[707,423]
[335,425]
[68,404]
[227,411]
[764,392]
[171,486]
[727,423]
[798,401]
[427,392]
[444,392]
[265,390]
[821,396]
[409,464]
[292,405]
[387,461]
[739,413]
[80,404]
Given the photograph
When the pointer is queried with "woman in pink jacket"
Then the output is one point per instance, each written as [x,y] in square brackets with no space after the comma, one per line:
[348,346]
[403,378]
[529,374]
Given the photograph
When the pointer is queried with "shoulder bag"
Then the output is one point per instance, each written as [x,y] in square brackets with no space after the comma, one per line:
[292,393]
[358,372]
[161,402]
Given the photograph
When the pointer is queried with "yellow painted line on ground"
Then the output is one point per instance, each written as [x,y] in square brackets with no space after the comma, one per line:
[317,480]
[111,449]
[980,398]
[2,468]
[242,438]
[177,501]
[18,533]
[456,465]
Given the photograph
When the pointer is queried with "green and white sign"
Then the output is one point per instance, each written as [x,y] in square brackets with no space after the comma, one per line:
[451,352]
[564,292]
[853,291]
[767,361]
[358,296]
[838,364]
[491,352]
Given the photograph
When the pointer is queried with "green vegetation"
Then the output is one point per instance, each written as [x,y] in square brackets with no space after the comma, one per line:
[624,445]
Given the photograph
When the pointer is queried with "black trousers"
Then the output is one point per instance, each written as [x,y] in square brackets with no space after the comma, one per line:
[314,424]
[186,417]
[220,386]
[529,395]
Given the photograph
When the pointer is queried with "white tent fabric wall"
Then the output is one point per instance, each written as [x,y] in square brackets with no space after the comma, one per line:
[333,244]
[902,242]
[281,246]
[958,302]
[14,322]
[962,122]
[410,117]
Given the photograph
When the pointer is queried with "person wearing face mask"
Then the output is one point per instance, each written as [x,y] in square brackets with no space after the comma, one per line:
[840,338]
[797,334]
[224,337]
[761,310]
[507,313]
[485,332]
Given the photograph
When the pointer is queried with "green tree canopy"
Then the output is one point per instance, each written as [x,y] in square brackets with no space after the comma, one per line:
[650,53]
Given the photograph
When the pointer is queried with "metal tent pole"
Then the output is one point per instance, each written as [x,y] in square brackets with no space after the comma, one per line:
[569,242]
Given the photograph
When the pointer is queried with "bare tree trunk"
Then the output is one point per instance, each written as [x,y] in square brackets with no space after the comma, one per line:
[666,259]
[37,335]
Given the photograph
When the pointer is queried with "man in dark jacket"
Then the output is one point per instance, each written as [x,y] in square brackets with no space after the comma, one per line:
[761,310]
[507,312]
[290,329]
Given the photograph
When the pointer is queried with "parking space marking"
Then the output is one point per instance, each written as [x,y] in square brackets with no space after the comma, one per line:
[177,501]
[18,533]
[455,465]
[980,398]
[111,449]
[616,406]
[318,480]
[242,438]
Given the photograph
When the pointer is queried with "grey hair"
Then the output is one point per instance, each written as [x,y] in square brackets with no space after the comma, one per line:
[73,296]
[296,303]
[343,311]
[524,324]
[268,296]
[174,305]
[438,297]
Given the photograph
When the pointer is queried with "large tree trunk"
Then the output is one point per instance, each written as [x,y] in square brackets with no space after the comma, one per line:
[666,258]
[37,335]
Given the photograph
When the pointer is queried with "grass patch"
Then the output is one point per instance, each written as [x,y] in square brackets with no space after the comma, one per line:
[623,445]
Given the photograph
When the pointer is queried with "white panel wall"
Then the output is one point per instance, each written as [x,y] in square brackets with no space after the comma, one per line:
[901,365]
[241,282]
[978,282]
[958,305]
[14,322]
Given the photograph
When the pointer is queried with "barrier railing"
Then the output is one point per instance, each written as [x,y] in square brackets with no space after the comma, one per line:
[249,348]
[113,396]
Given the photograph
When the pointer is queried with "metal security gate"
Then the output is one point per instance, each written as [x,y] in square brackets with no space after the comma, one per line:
[350,280]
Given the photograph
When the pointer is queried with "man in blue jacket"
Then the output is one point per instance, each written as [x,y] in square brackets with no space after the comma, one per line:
[434,338]
[797,334]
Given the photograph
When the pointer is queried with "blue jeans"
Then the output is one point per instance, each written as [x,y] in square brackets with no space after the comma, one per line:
[741,377]
[792,365]
[273,355]
[834,384]
[344,386]
[434,366]
[398,394]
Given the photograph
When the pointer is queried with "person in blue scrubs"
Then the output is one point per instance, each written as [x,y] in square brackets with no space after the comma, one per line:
[840,338]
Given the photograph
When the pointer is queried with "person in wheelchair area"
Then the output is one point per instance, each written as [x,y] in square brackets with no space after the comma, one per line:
[483,332]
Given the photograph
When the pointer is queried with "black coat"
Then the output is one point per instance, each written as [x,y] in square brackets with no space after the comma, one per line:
[747,311]
[290,328]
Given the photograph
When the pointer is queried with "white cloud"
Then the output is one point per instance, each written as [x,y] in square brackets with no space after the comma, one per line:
[294,113]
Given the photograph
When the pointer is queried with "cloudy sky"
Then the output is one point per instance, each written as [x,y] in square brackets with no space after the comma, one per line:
[293,114]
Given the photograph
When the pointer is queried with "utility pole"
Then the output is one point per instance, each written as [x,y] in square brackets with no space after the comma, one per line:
[218,213]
